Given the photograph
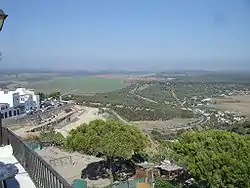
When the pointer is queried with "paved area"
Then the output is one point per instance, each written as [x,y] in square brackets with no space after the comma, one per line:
[22,179]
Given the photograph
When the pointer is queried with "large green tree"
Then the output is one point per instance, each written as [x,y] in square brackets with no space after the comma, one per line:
[112,138]
[215,158]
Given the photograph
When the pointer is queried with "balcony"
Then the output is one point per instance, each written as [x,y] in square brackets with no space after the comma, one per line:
[33,170]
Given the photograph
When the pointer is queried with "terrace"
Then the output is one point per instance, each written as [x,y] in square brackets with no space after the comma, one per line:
[31,170]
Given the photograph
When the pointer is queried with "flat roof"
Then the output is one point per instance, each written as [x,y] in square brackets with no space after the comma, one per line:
[170,167]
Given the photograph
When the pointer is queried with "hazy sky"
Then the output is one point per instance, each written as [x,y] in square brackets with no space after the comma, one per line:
[141,34]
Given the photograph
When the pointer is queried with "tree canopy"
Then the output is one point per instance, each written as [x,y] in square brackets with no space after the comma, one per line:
[111,138]
[215,158]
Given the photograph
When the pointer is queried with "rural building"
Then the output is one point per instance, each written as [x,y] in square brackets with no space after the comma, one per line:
[147,171]
[150,171]
[23,99]
[169,170]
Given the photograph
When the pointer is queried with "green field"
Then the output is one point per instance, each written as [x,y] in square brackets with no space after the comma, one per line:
[83,84]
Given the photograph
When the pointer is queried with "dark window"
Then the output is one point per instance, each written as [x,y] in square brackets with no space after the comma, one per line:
[5,115]
[14,113]
[10,113]
[18,112]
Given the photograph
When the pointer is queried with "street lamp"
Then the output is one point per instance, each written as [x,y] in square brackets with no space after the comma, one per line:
[3,16]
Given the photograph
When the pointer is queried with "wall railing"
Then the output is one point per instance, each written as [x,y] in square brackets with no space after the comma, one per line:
[41,173]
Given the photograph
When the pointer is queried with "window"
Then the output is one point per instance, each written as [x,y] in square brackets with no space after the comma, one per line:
[14,113]
[18,112]
[5,115]
[10,113]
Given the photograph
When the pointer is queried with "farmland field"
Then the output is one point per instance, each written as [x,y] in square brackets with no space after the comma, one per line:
[83,84]
[163,126]
[242,105]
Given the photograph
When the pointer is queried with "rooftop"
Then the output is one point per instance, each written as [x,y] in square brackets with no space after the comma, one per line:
[168,166]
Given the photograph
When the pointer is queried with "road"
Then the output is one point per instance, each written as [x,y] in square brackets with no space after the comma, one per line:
[203,119]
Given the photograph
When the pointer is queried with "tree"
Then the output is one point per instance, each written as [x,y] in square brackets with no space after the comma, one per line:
[111,138]
[55,95]
[160,183]
[215,158]
[50,136]
[42,96]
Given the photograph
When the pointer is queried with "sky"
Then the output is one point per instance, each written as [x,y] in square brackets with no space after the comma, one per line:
[126,34]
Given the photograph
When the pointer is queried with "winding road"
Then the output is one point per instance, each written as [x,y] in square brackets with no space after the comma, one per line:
[203,119]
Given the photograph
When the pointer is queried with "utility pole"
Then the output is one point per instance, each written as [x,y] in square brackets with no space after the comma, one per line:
[3,16]
[1,130]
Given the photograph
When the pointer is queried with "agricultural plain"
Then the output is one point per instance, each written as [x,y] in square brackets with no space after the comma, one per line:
[79,84]
[241,106]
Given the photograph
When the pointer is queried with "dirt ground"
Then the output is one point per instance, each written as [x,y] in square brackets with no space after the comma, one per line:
[71,170]
[226,100]
[82,116]
[88,115]
[242,107]
[162,125]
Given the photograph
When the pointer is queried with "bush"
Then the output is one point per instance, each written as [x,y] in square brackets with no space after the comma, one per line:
[52,136]
[164,184]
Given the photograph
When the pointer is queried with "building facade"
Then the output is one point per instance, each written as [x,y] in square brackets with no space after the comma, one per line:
[8,111]
[21,99]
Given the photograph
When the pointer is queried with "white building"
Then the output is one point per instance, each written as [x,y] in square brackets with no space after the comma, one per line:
[8,111]
[21,98]
[28,98]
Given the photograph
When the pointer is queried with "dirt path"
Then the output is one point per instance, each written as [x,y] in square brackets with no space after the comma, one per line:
[144,98]
[89,114]
[176,98]
[141,97]
[117,115]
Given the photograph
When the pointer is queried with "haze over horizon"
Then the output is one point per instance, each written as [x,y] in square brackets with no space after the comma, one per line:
[173,34]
